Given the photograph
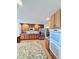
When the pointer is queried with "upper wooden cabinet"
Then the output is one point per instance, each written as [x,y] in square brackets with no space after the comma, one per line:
[27,27]
[52,22]
[55,21]
[57,18]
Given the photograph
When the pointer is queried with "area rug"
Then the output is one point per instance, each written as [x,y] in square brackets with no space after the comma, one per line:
[30,50]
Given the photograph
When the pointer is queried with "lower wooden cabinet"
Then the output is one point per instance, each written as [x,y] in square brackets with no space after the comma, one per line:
[29,36]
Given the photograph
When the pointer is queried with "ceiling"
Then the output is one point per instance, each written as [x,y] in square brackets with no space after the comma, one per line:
[37,10]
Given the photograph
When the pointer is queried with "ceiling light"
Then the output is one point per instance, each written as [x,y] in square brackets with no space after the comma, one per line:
[48,18]
[19,2]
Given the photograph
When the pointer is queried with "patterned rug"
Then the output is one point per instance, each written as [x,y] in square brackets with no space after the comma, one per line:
[30,50]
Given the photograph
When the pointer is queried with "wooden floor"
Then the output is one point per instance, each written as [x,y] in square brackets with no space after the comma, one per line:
[52,55]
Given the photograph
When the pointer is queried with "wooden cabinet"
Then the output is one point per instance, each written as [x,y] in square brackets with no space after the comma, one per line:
[55,21]
[52,22]
[26,27]
[29,36]
[57,18]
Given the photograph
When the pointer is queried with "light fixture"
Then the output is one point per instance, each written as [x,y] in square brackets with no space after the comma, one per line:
[47,26]
[25,26]
[49,17]
[37,26]
[19,2]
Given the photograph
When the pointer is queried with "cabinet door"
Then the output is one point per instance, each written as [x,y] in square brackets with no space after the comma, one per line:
[58,19]
[52,22]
